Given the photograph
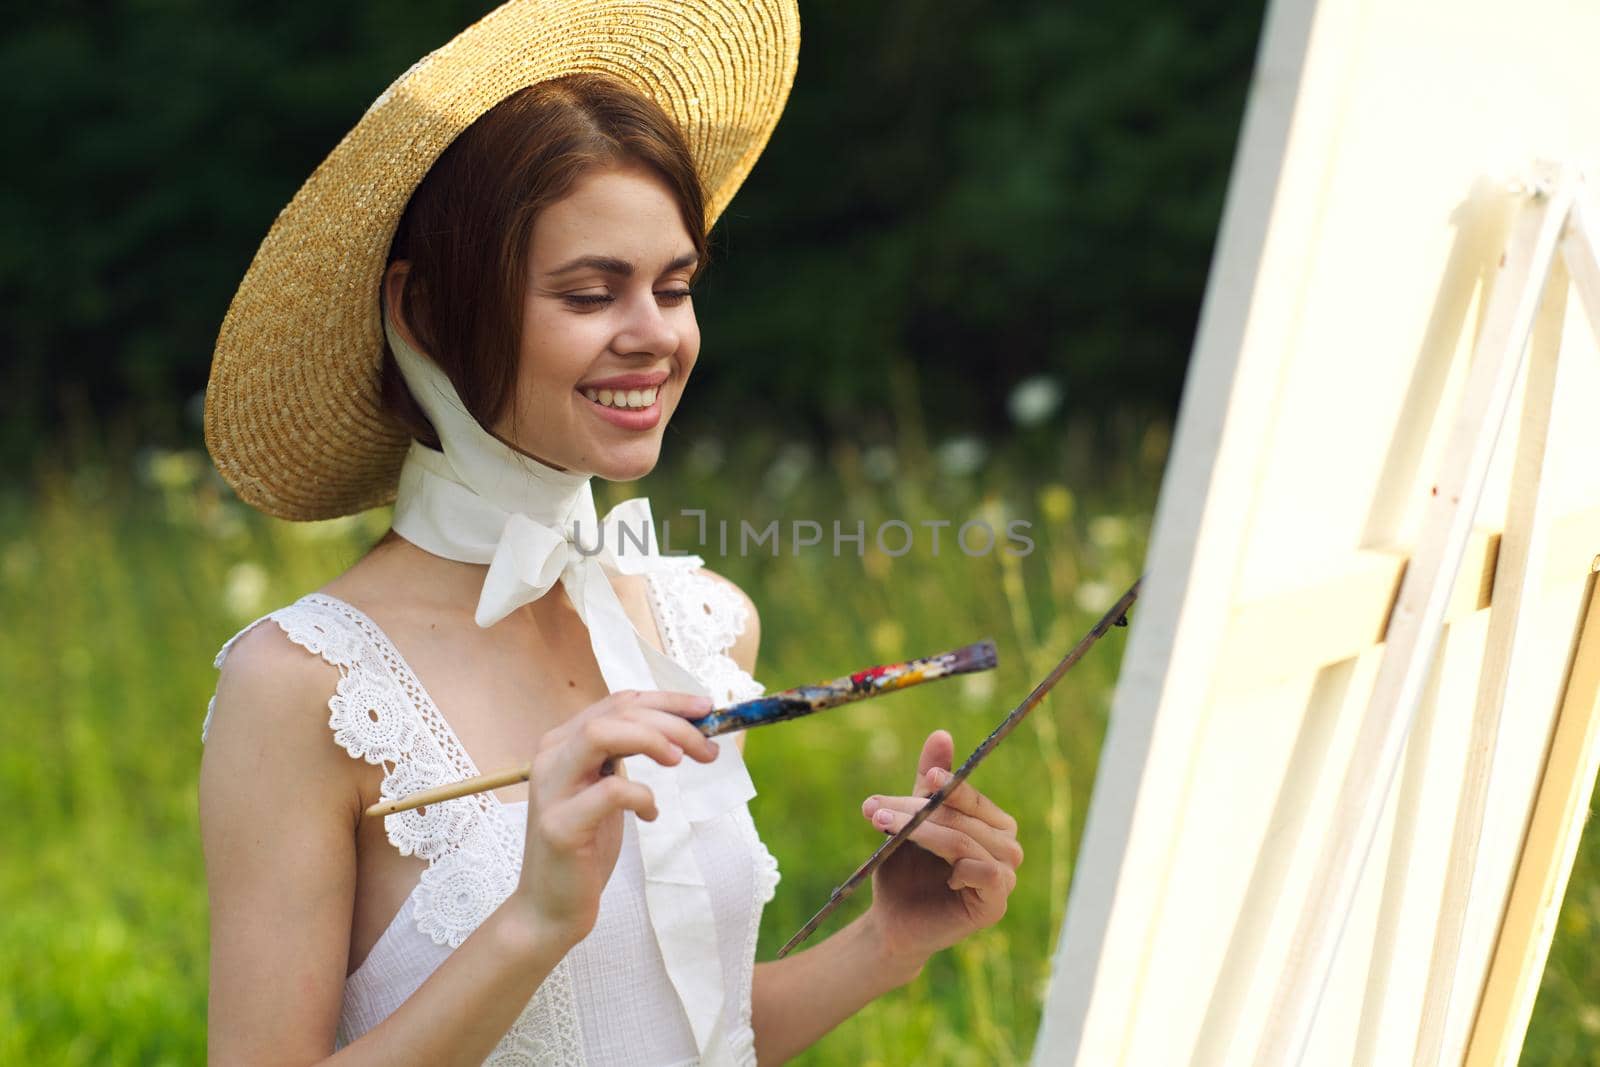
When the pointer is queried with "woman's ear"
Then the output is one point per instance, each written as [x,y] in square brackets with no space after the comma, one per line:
[394,279]
[394,284]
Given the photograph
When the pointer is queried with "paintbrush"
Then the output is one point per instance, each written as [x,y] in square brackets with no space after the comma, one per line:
[761,711]
[1117,616]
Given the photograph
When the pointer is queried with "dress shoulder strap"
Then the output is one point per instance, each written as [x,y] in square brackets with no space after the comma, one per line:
[380,713]
[700,619]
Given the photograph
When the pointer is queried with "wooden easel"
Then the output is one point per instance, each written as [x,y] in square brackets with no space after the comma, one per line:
[1553,235]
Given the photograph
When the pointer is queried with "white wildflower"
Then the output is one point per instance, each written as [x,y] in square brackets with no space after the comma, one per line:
[1094,597]
[879,463]
[789,468]
[961,455]
[1034,400]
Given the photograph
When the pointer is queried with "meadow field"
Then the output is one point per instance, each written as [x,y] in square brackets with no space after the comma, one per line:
[123,570]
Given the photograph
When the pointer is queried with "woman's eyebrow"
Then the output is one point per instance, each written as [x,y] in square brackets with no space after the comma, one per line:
[620,267]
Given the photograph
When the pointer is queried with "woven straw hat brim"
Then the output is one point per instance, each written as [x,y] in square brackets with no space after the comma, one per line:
[292,414]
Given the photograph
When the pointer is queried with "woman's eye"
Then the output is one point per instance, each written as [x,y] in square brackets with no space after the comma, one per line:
[673,297]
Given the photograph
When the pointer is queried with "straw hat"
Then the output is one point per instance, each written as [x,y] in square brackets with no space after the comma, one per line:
[292,417]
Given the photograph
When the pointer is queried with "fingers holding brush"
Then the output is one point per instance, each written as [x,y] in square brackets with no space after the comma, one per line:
[578,792]
[958,879]
[1000,842]
[655,724]
[934,774]
[966,798]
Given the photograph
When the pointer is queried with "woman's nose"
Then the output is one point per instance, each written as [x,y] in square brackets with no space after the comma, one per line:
[647,329]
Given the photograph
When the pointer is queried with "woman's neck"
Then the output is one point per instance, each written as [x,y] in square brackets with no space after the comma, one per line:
[444,587]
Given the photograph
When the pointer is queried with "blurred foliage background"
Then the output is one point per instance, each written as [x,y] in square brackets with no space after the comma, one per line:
[961,282]
[982,191]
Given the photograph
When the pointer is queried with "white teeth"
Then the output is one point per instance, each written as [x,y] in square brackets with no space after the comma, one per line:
[623,398]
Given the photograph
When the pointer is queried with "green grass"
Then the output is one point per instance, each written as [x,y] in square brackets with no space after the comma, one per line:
[121,575]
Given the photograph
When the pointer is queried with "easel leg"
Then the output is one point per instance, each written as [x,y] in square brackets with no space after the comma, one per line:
[1548,851]
[1513,613]
[1579,248]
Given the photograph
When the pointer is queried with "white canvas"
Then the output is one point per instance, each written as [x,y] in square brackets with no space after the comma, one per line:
[1369,205]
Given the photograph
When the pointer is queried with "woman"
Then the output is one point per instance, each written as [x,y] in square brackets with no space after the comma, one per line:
[535,300]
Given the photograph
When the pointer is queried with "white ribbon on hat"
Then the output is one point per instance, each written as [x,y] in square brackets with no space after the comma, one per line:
[480,501]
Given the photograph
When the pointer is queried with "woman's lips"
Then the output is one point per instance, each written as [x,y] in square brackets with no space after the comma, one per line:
[644,418]
[637,380]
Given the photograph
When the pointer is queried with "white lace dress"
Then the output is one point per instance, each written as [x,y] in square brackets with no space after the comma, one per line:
[609,1001]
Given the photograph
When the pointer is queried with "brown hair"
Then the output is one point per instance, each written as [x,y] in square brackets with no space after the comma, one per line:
[467,226]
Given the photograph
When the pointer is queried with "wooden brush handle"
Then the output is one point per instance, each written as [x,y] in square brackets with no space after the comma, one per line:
[761,711]
[465,787]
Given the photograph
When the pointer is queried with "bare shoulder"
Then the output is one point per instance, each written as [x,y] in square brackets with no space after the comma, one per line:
[270,722]
[279,802]
[747,644]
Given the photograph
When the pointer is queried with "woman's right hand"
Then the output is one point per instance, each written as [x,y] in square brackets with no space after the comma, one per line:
[577,793]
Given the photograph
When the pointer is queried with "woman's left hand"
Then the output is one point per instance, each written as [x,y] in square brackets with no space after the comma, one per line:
[925,899]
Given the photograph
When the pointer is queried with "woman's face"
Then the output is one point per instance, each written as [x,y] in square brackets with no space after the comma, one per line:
[609,335]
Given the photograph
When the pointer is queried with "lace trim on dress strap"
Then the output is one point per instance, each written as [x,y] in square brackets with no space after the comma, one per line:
[381,714]
[700,619]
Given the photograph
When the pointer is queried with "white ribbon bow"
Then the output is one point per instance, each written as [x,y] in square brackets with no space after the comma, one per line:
[481,502]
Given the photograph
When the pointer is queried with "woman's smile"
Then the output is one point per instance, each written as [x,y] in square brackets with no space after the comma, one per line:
[632,401]
[632,409]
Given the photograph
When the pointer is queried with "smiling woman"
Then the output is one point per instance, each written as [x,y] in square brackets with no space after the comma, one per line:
[520,311]
[595,296]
